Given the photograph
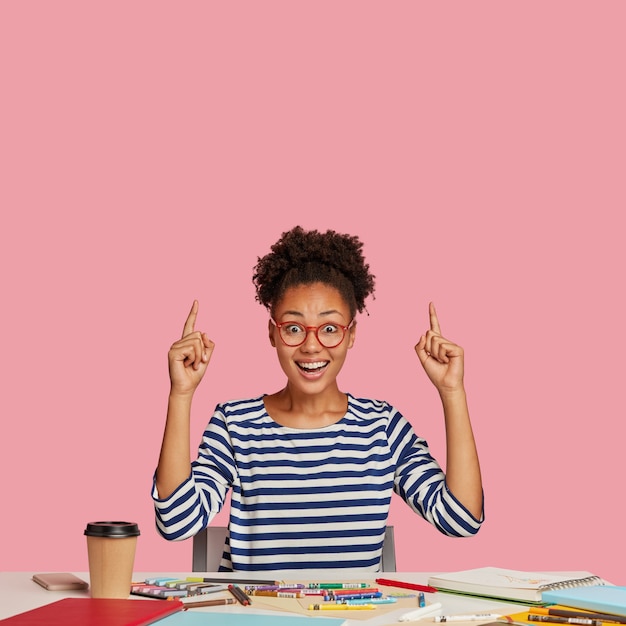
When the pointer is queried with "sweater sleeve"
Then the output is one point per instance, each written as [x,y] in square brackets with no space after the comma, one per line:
[195,502]
[421,483]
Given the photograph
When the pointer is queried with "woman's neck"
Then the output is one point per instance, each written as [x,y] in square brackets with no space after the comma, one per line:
[306,410]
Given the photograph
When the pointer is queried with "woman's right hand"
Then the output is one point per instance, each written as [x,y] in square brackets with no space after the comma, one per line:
[189,356]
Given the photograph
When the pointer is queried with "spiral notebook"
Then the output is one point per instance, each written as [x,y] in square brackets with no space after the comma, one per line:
[510,585]
[605,598]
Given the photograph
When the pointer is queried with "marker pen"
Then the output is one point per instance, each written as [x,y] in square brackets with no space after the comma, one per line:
[425,611]
[340,607]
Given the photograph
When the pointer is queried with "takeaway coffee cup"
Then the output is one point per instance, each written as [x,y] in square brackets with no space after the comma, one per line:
[111,550]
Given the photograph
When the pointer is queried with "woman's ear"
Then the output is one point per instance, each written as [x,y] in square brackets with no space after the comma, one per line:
[352,335]
[270,329]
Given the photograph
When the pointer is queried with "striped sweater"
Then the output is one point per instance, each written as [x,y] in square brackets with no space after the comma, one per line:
[309,499]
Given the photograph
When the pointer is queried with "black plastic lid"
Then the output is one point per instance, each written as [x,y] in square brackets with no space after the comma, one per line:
[112,529]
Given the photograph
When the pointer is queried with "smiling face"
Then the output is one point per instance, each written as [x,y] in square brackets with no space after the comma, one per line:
[310,367]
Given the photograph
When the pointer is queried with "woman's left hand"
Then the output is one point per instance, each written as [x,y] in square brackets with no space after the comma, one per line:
[442,360]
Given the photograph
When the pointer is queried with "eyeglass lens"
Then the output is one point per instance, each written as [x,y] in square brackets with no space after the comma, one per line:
[329,335]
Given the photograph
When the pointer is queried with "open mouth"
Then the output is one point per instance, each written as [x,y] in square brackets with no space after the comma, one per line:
[314,367]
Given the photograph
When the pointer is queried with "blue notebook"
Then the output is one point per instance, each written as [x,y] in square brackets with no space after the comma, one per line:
[599,598]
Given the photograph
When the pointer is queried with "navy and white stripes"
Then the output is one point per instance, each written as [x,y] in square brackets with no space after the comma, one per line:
[309,499]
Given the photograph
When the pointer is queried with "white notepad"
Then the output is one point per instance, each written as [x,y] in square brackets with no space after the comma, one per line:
[506,584]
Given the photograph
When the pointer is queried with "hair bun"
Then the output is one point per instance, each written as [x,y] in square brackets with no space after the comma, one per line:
[303,257]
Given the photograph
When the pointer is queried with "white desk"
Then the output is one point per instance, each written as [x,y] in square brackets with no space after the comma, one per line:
[19,593]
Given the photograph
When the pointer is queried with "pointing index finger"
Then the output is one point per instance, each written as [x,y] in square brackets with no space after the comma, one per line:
[191,319]
[434,320]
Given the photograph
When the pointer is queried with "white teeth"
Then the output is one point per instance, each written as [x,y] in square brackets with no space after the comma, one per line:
[312,366]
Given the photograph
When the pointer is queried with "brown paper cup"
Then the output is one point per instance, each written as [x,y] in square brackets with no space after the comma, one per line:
[111,551]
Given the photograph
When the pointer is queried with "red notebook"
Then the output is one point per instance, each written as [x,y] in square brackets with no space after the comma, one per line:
[95,612]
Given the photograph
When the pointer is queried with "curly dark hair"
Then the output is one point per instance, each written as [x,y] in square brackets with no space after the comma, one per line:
[303,257]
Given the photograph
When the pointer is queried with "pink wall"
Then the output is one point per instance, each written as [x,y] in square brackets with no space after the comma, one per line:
[151,151]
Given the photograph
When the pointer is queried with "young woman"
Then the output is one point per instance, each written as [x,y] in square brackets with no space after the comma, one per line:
[311,468]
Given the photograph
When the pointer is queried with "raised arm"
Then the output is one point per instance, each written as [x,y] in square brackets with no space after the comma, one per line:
[188,359]
[443,362]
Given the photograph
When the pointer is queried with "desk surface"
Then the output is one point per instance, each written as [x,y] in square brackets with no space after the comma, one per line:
[18,593]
